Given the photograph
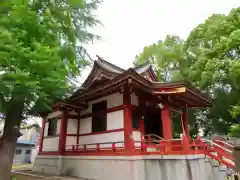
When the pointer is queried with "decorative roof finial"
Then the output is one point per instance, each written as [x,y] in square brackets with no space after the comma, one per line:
[99,58]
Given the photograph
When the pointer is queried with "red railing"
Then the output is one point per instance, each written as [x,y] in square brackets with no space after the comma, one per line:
[157,147]
[222,153]
[96,148]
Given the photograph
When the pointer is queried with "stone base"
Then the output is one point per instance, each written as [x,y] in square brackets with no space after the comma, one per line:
[181,167]
[236,156]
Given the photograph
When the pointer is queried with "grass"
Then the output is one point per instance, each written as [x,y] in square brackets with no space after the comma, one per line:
[18,167]
[29,175]
[25,177]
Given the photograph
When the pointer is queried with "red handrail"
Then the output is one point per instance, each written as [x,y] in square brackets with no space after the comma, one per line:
[163,147]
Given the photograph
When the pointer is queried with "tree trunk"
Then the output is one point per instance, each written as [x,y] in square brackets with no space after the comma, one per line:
[7,148]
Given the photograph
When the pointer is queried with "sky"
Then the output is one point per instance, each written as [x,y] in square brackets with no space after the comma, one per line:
[129,25]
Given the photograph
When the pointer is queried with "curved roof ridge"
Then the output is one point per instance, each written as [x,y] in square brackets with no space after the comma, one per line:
[146,66]
[143,64]
[109,66]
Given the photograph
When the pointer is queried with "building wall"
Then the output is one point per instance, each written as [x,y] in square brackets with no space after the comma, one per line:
[134,99]
[51,143]
[136,134]
[103,138]
[22,157]
[114,122]
[137,137]
[113,100]
[53,115]
[71,129]
[34,154]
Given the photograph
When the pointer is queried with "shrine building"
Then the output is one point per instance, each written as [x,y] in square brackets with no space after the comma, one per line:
[118,125]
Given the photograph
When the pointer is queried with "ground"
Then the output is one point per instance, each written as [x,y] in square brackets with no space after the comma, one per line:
[18,167]
[26,173]
[23,177]
[29,175]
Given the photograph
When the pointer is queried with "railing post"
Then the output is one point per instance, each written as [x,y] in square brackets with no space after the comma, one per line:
[133,145]
[149,138]
[113,147]
[98,147]
[143,146]
[201,145]
[185,144]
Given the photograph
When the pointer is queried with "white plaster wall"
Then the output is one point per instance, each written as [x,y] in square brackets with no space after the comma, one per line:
[85,125]
[137,137]
[71,140]
[134,99]
[113,100]
[54,114]
[46,129]
[103,138]
[50,144]
[34,154]
[58,127]
[115,120]
[72,126]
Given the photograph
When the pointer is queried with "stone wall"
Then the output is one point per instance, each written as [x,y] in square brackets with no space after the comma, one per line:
[181,167]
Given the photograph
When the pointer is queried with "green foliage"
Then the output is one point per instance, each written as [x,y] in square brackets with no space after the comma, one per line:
[13,177]
[167,56]
[209,59]
[235,131]
[171,64]
[216,68]
[41,49]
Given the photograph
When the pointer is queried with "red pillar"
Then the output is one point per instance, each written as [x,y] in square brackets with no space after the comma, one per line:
[166,122]
[42,135]
[128,146]
[141,120]
[141,127]
[185,122]
[78,126]
[78,129]
[63,132]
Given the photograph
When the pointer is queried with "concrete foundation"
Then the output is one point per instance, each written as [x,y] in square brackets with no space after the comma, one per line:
[180,167]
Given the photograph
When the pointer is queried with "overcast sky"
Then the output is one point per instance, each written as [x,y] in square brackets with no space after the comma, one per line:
[129,25]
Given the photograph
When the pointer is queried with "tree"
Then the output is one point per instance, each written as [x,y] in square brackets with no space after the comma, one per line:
[171,63]
[235,131]
[167,57]
[41,50]
[215,43]
[209,59]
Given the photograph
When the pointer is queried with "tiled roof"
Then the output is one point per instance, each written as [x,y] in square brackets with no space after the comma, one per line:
[142,68]
[115,69]
[109,66]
